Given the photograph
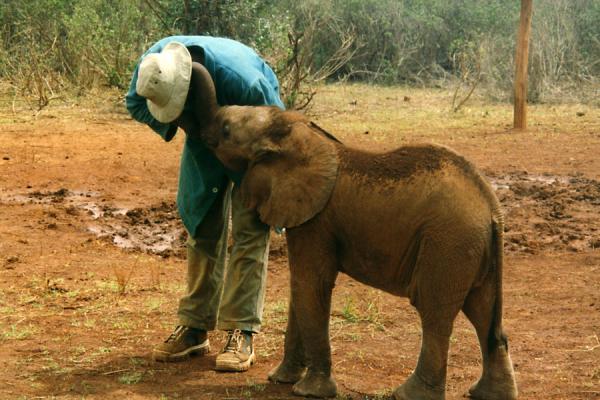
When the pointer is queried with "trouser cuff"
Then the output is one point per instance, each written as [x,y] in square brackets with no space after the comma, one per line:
[196,324]
[231,325]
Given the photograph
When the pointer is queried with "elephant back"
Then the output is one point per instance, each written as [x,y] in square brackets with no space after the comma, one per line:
[407,163]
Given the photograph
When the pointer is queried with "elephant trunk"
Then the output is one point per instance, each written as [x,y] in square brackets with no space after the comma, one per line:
[204,98]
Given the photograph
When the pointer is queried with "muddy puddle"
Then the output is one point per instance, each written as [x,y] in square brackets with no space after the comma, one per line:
[547,212]
[542,212]
[156,229]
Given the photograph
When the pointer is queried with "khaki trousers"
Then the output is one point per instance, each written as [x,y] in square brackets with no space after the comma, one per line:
[226,295]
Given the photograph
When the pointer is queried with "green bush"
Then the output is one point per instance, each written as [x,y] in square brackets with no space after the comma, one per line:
[49,46]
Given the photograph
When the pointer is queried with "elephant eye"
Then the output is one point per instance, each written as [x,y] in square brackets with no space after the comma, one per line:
[225,131]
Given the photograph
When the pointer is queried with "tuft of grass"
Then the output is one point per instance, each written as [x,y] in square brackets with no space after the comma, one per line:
[352,336]
[16,332]
[123,325]
[154,304]
[382,394]
[85,388]
[137,361]
[131,378]
[366,310]
[7,310]
[111,286]
[256,387]
[349,312]
[357,355]
[89,323]
[103,350]
[155,281]
[276,313]
[280,306]
[122,278]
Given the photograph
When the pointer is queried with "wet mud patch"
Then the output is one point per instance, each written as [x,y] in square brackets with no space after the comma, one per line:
[542,212]
[156,229]
[547,212]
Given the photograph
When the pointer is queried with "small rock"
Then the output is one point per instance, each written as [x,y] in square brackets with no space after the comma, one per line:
[6,158]
[580,113]
[71,210]
[10,262]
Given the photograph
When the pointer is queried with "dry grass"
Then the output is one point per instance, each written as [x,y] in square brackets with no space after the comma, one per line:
[391,115]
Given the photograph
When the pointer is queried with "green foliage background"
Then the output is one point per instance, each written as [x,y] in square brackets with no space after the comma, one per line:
[48,47]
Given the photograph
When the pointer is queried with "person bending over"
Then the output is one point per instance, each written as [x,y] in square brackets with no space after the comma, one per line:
[223,295]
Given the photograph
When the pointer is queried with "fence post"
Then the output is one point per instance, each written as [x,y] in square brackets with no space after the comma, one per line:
[521,59]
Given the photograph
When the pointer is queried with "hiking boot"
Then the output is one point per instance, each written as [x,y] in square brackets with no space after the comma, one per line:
[181,344]
[238,354]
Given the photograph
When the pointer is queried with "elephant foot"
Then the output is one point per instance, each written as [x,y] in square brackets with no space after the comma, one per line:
[486,391]
[315,385]
[498,379]
[287,372]
[415,388]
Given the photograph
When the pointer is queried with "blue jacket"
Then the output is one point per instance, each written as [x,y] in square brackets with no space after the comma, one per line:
[241,77]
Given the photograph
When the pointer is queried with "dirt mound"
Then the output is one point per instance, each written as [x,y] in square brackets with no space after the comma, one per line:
[546,212]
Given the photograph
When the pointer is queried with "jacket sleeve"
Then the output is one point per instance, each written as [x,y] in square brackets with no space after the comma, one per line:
[260,93]
[136,105]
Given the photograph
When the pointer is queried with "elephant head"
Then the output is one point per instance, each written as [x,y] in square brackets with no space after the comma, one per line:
[290,166]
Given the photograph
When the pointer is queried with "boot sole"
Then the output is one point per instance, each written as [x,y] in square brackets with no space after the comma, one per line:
[233,366]
[199,350]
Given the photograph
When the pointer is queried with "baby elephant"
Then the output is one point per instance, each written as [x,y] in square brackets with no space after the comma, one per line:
[418,222]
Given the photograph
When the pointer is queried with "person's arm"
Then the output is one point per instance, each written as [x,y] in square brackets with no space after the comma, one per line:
[246,88]
[260,93]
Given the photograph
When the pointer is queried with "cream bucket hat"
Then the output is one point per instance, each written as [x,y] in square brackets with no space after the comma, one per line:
[164,80]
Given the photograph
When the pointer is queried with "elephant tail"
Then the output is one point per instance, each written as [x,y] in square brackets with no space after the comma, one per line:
[496,337]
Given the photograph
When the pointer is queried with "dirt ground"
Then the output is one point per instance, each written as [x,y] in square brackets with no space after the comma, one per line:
[91,255]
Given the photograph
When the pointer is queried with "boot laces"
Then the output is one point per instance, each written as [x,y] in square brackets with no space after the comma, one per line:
[176,333]
[234,341]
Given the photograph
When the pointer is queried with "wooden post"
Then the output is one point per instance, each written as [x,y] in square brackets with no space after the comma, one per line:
[521,59]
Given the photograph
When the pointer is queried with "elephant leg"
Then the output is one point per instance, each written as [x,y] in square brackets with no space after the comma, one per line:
[313,270]
[497,380]
[312,303]
[292,367]
[428,380]
[439,286]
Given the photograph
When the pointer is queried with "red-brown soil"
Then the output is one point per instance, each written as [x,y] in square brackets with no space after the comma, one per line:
[91,263]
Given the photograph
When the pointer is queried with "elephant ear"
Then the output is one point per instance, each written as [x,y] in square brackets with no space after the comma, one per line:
[290,185]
